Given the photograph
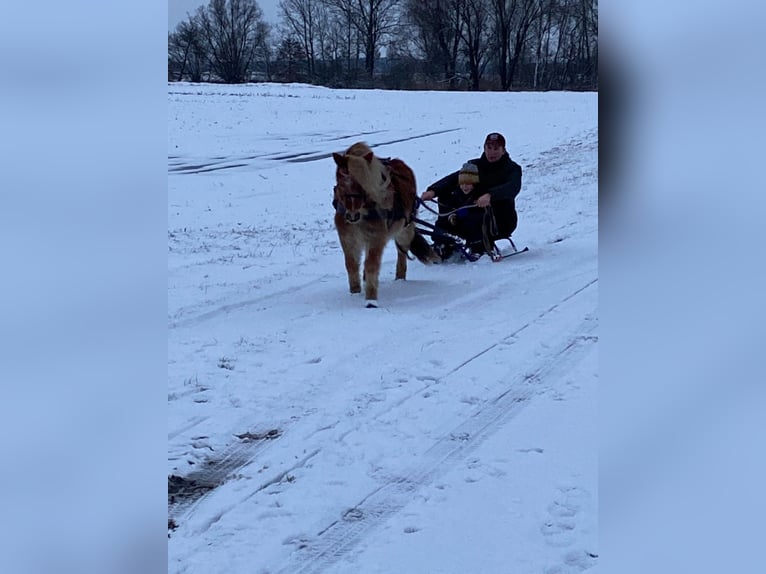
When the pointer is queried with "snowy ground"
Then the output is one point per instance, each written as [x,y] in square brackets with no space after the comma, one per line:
[453,430]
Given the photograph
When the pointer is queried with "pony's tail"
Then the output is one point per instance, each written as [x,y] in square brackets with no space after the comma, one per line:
[421,249]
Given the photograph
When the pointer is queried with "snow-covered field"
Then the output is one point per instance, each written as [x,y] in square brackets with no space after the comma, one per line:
[453,430]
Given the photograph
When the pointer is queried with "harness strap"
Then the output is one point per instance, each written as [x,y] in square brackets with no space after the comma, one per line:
[398,211]
[390,215]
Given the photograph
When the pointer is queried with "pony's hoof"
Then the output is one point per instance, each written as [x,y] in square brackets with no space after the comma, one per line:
[371,304]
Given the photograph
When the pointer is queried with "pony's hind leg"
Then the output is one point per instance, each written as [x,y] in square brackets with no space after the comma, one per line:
[410,240]
[401,262]
[403,239]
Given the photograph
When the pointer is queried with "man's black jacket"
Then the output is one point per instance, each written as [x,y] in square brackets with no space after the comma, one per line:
[502,179]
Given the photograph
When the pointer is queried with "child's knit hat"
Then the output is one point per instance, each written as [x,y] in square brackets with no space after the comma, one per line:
[469,173]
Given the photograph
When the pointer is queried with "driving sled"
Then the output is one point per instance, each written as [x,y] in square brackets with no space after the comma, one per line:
[476,206]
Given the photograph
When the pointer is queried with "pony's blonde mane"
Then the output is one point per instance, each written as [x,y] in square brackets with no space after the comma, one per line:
[369,172]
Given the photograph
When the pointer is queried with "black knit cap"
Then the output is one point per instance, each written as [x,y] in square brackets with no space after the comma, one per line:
[495,139]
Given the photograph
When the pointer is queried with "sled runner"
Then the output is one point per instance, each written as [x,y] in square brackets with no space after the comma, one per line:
[498,254]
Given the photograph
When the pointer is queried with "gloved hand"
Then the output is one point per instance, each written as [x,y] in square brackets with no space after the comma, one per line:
[460,213]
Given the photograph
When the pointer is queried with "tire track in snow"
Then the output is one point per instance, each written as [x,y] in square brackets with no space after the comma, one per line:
[523,327]
[316,157]
[229,307]
[211,520]
[217,473]
[431,381]
[207,166]
[335,540]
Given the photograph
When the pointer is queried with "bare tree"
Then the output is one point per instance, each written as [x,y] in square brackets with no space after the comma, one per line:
[569,44]
[557,13]
[326,53]
[377,19]
[374,20]
[343,37]
[521,21]
[587,44]
[234,31]
[304,21]
[475,34]
[436,29]
[502,13]
[540,36]
[187,56]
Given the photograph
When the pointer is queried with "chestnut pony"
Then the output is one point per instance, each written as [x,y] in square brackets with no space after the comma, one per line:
[375,200]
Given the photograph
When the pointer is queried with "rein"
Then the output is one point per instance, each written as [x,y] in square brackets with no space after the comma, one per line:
[489,229]
[446,213]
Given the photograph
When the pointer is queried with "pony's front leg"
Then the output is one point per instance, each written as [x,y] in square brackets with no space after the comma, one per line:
[352,269]
[352,252]
[371,272]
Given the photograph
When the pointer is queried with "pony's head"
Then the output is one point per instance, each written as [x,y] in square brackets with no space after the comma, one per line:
[359,163]
[349,198]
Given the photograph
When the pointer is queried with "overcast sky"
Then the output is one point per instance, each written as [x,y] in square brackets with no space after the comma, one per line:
[177,10]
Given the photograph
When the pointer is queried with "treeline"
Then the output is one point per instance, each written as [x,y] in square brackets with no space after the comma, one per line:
[401,44]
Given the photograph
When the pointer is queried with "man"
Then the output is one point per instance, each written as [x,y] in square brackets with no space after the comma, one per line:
[499,182]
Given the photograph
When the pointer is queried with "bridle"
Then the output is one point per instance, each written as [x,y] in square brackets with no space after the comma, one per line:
[349,197]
